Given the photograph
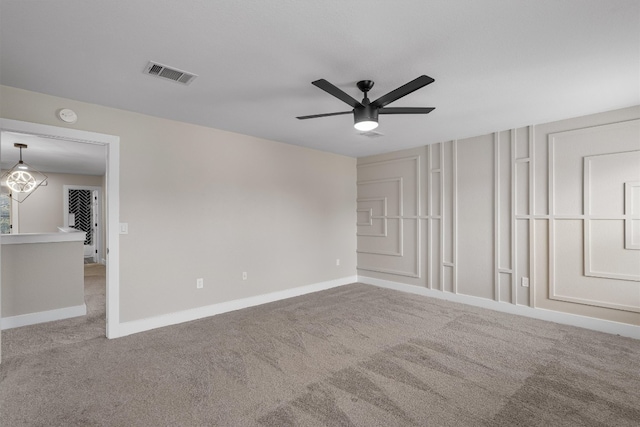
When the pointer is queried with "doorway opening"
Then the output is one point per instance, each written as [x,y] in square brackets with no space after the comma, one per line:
[110,143]
[82,206]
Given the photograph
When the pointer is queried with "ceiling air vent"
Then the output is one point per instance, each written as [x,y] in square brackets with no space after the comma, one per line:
[159,70]
[371,134]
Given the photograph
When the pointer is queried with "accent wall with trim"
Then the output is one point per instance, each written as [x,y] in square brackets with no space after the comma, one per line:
[543,216]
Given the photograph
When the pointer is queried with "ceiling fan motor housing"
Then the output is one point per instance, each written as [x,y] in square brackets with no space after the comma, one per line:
[366,113]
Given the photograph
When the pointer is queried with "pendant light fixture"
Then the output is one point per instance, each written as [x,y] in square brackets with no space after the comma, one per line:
[22,179]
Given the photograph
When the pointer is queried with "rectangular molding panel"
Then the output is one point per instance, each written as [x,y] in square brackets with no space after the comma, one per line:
[587,228]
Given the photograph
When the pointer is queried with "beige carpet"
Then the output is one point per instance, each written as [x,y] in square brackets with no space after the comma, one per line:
[351,356]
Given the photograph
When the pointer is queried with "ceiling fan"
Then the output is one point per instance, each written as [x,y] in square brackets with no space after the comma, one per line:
[365,113]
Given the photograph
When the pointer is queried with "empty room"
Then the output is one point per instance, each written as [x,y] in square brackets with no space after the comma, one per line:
[333,213]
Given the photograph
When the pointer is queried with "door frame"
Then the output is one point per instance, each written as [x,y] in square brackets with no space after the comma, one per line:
[112,203]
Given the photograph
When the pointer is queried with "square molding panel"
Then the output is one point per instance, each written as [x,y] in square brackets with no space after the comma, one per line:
[594,216]
[608,226]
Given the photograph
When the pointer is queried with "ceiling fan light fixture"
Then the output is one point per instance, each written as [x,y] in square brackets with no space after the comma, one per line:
[365,113]
[365,125]
[365,118]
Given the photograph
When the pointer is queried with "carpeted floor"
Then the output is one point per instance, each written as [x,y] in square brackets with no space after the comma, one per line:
[356,355]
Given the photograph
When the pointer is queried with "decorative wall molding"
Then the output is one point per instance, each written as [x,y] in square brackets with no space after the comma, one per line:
[371,216]
[496,216]
[386,162]
[444,170]
[401,218]
[391,271]
[512,213]
[589,270]
[551,143]
[632,218]
[367,223]
[403,159]
[586,217]
[449,170]
[431,170]
[508,256]
[398,180]
[596,303]
[454,220]
[532,211]
[524,188]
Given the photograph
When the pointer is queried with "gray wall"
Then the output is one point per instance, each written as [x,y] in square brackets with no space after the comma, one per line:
[41,276]
[476,216]
[202,202]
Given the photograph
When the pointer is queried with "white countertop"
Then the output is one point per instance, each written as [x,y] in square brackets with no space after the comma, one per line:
[18,239]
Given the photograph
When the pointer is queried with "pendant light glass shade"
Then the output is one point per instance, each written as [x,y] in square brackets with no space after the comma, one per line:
[22,179]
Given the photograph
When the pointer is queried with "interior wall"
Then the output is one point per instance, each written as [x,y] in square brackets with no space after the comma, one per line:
[39,277]
[42,211]
[206,203]
[556,205]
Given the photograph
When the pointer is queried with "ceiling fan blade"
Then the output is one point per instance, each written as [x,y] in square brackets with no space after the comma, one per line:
[403,90]
[323,115]
[335,91]
[405,110]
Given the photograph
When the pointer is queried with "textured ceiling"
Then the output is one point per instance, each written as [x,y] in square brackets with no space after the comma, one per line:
[497,64]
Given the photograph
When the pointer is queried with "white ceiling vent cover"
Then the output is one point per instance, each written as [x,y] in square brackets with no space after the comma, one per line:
[159,70]
[371,134]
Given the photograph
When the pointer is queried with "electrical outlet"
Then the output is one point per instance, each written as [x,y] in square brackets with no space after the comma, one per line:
[244,275]
[199,283]
[525,282]
[338,261]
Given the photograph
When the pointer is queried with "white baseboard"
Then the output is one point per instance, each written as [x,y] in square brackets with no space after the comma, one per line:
[42,316]
[135,326]
[607,326]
